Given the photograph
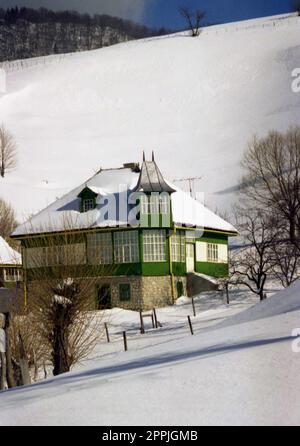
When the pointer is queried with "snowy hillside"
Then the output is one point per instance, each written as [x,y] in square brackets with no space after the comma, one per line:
[239,374]
[195,101]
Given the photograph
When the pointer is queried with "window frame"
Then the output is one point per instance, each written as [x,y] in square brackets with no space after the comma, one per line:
[212,253]
[154,246]
[100,248]
[127,287]
[164,204]
[126,251]
[178,248]
[92,203]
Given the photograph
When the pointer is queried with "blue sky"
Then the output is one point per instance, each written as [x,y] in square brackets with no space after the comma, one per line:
[157,13]
[165,12]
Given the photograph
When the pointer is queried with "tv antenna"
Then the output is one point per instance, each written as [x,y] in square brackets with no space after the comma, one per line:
[191,182]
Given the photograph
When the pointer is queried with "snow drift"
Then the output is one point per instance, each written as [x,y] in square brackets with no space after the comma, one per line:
[227,376]
[285,301]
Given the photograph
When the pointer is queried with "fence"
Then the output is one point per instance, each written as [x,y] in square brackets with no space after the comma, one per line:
[22,64]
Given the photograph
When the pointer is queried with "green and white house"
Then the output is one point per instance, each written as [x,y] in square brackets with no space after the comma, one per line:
[139,235]
[10,265]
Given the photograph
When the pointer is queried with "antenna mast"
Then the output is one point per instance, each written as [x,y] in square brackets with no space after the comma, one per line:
[191,182]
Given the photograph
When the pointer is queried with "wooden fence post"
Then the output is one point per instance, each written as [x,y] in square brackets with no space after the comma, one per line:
[125,341]
[194,308]
[106,331]
[152,318]
[227,293]
[2,353]
[2,371]
[155,318]
[9,369]
[191,326]
[26,380]
[142,323]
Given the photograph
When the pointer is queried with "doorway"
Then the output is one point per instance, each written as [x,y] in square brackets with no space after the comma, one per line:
[103,298]
[190,258]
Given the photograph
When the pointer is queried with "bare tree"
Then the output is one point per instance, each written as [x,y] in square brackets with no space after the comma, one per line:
[252,264]
[8,221]
[61,297]
[272,179]
[8,151]
[286,263]
[27,351]
[193,19]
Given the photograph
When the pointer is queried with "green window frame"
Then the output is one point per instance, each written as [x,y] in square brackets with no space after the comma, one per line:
[126,247]
[178,248]
[154,245]
[212,252]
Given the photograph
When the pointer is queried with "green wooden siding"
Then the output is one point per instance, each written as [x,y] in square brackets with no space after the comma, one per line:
[208,237]
[212,269]
[179,269]
[135,269]
[155,221]
[155,269]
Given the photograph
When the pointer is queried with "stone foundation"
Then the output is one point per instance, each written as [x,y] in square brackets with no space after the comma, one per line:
[146,292]
[136,301]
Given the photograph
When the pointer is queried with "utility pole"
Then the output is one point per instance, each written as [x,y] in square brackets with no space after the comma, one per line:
[191,182]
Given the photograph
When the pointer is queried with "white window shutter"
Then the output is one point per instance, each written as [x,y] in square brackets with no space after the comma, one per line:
[223,254]
[201,252]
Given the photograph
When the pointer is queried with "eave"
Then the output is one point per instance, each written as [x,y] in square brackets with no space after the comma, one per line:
[207,229]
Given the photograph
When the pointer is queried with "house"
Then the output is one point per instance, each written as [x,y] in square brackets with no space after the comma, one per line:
[10,276]
[138,234]
[10,265]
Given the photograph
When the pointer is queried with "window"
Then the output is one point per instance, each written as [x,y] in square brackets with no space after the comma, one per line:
[164,204]
[212,252]
[74,254]
[178,248]
[154,243]
[155,203]
[12,275]
[124,292]
[145,210]
[180,289]
[88,204]
[35,257]
[100,249]
[126,247]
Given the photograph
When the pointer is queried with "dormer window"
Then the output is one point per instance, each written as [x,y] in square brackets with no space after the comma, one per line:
[87,200]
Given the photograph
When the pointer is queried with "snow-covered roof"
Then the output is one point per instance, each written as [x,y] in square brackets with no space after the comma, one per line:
[113,188]
[8,256]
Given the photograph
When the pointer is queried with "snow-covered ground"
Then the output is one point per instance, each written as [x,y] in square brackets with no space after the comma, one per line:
[242,371]
[196,102]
